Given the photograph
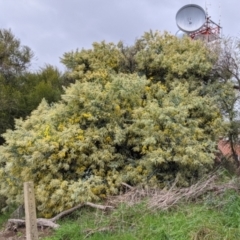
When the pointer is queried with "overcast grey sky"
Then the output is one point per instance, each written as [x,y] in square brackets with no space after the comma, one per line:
[52,27]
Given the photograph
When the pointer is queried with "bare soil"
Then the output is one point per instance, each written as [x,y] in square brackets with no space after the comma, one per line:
[20,234]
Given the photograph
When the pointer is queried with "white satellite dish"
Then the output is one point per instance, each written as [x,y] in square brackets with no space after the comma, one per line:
[190,18]
[181,34]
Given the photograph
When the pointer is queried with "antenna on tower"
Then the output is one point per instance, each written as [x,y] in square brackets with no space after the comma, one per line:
[220,11]
[206,6]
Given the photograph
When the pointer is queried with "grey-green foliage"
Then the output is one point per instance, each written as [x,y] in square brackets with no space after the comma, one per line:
[21,90]
[103,134]
[153,127]
[14,58]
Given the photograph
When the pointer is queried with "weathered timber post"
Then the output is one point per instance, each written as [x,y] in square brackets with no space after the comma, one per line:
[30,212]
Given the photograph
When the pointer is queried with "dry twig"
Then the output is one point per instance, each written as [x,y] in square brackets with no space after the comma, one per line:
[42,222]
[164,199]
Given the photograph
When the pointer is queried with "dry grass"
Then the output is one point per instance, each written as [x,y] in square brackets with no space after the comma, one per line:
[166,198]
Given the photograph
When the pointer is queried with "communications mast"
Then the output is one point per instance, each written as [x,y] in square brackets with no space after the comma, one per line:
[192,20]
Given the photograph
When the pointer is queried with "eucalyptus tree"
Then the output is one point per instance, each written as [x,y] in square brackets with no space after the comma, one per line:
[21,90]
[14,61]
[14,57]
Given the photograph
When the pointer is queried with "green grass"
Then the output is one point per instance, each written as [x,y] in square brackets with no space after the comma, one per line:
[4,217]
[214,218]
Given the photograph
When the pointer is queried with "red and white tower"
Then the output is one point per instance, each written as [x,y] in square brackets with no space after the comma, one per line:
[192,20]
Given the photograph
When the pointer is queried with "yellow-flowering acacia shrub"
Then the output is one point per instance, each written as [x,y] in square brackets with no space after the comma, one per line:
[68,149]
[100,135]
[153,127]
[160,57]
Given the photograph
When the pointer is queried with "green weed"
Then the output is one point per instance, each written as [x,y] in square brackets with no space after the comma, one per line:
[215,218]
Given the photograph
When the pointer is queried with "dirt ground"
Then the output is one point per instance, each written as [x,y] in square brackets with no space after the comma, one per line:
[20,234]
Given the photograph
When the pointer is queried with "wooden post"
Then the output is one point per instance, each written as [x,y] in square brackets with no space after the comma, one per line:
[30,212]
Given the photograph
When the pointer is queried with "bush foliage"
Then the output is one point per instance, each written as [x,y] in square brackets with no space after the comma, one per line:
[154,126]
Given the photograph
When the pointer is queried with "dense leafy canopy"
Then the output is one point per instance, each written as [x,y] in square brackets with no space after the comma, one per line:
[21,91]
[142,114]
[14,58]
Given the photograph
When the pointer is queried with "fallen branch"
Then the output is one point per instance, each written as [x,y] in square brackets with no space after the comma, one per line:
[127,185]
[64,213]
[13,224]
